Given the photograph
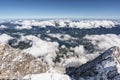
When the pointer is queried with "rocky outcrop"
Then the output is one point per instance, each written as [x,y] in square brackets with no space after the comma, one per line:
[104,67]
[15,64]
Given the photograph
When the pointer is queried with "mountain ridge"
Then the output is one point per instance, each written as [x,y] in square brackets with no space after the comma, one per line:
[105,66]
[15,64]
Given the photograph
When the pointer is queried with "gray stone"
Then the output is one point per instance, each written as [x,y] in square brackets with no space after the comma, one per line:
[14,64]
[104,67]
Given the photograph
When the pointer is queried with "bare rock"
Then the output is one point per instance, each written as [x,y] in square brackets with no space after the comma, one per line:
[14,64]
[104,67]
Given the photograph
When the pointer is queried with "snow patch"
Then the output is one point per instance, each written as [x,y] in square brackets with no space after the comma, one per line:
[47,76]
[74,61]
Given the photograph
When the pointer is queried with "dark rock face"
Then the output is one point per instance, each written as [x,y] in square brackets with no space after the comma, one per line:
[14,64]
[104,67]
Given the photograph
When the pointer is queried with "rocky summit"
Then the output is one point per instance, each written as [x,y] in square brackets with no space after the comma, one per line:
[14,64]
[104,67]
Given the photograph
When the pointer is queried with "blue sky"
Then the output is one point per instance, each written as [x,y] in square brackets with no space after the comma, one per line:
[59,8]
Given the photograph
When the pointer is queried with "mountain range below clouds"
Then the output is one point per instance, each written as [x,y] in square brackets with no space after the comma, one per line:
[16,64]
[59,39]
[61,43]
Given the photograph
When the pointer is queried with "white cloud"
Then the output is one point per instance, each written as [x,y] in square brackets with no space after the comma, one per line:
[63,46]
[4,38]
[74,61]
[62,37]
[49,51]
[2,21]
[23,27]
[44,23]
[87,24]
[36,23]
[78,57]
[41,48]
[105,41]
[3,26]
[92,24]
[62,23]
[79,50]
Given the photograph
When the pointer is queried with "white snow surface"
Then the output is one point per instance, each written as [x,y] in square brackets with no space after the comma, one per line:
[47,76]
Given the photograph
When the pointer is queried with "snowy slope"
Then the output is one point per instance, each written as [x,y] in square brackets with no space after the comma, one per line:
[106,67]
[47,76]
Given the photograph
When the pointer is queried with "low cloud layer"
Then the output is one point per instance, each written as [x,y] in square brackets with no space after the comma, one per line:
[50,47]
[3,26]
[62,37]
[41,48]
[4,38]
[82,24]
[103,42]
[23,27]
[100,42]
